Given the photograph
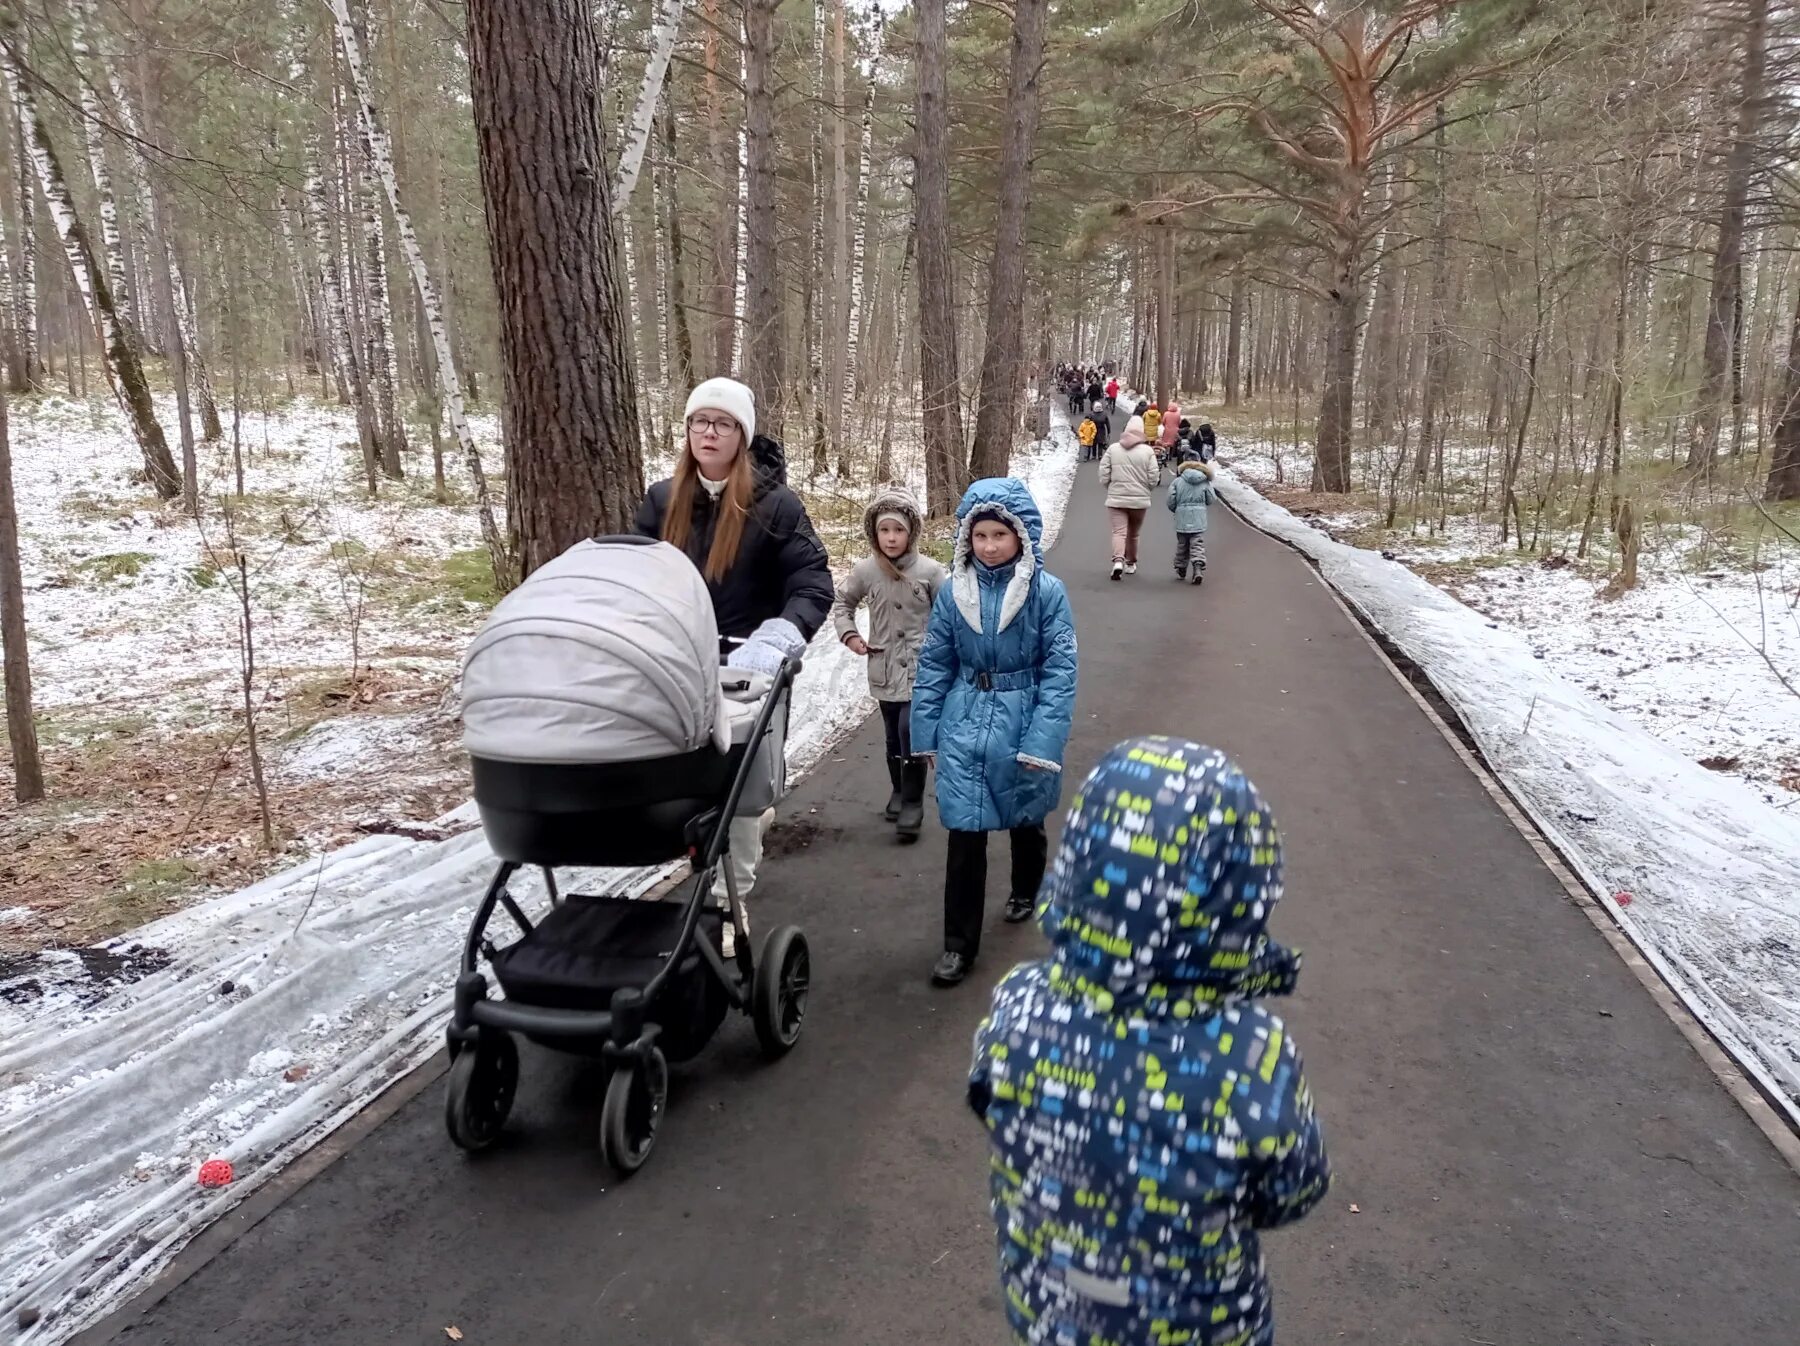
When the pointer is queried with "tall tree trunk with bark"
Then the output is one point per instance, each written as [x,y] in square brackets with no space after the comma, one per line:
[682,335]
[1001,363]
[1437,332]
[1784,465]
[814,303]
[124,368]
[1234,340]
[941,387]
[765,337]
[573,464]
[1165,315]
[1724,317]
[15,652]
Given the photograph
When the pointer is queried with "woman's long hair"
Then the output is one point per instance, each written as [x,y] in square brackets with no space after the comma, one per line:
[734,508]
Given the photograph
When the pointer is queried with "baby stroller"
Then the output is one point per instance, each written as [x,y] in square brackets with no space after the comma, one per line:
[602,731]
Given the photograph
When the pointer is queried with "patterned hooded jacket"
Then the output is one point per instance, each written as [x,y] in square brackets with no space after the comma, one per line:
[899,595]
[995,692]
[1147,1116]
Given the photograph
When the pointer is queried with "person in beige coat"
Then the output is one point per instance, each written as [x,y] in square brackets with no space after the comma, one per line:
[1130,473]
[898,584]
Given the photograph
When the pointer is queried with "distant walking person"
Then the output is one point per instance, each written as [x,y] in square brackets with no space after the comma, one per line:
[1190,496]
[1130,474]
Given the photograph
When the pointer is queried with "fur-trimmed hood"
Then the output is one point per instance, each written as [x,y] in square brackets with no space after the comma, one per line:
[1008,500]
[894,498]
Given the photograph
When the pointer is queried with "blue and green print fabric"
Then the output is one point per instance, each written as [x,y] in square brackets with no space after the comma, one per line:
[1147,1116]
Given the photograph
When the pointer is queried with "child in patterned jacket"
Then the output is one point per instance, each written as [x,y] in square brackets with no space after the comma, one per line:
[1149,1118]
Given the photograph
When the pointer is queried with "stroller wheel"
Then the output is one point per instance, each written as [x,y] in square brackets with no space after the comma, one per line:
[636,1096]
[778,1002]
[483,1079]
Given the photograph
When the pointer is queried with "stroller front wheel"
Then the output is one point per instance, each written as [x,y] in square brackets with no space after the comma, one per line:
[778,1001]
[483,1079]
[636,1097]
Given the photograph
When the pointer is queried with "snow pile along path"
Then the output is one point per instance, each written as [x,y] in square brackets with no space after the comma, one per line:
[252,1025]
[1700,872]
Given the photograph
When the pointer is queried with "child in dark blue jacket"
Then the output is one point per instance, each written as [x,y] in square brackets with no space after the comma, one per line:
[1148,1116]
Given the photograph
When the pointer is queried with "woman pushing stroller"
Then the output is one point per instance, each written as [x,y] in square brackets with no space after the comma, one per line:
[729,508]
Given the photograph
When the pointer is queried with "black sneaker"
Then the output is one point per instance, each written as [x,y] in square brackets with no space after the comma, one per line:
[951,969]
[1019,909]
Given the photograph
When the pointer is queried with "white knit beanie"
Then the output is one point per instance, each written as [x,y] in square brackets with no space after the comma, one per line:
[896,516]
[729,396]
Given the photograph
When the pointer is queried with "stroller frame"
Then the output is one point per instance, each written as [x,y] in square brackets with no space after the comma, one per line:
[770,988]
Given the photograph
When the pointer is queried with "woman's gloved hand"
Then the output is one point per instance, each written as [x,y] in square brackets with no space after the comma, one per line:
[769,645]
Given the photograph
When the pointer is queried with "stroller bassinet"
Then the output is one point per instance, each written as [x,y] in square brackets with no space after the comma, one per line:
[602,732]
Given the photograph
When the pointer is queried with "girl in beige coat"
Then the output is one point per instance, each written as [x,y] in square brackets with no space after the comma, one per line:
[898,584]
[1130,473]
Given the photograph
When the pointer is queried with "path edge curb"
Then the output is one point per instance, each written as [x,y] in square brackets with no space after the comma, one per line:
[1747,1093]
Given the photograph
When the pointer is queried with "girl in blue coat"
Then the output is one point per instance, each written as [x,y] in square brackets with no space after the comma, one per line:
[992,701]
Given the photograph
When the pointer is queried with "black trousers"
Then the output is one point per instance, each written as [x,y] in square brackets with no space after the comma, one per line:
[896,719]
[965,881]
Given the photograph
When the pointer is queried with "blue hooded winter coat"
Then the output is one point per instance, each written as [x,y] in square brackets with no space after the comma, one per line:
[995,686]
[1147,1116]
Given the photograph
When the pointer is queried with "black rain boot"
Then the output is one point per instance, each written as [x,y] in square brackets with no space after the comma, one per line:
[891,810]
[912,798]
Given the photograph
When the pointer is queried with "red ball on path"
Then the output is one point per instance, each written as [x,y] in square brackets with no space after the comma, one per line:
[215,1173]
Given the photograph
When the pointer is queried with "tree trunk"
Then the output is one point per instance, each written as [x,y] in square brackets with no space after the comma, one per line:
[1724,320]
[722,246]
[15,652]
[813,318]
[1437,336]
[124,368]
[415,256]
[1331,458]
[663,30]
[765,340]
[1784,465]
[1001,374]
[678,303]
[859,257]
[83,26]
[28,366]
[573,464]
[1234,340]
[941,387]
[838,345]
[1165,315]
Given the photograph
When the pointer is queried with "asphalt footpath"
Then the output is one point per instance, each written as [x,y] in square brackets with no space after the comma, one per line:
[1527,1151]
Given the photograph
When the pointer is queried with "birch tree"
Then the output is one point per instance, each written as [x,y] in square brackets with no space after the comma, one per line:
[124,369]
[28,366]
[91,119]
[854,321]
[664,28]
[449,384]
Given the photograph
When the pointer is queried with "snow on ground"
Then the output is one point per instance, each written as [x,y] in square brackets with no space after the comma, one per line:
[121,599]
[1696,654]
[250,1026]
[1701,872]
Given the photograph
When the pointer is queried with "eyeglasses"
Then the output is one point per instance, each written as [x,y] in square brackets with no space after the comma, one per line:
[721,427]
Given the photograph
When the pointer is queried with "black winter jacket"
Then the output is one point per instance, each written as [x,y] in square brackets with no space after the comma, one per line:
[782,568]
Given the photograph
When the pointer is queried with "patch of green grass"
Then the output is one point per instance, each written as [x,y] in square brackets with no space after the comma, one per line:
[87,505]
[204,576]
[78,730]
[149,886]
[114,565]
[445,584]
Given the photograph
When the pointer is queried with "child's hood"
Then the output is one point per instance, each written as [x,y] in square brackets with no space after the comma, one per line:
[1169,866]
[1008,500]
[893,499]
[1194,473]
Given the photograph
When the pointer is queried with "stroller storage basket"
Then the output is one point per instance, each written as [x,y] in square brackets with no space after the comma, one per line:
[589,947]
[612,813]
